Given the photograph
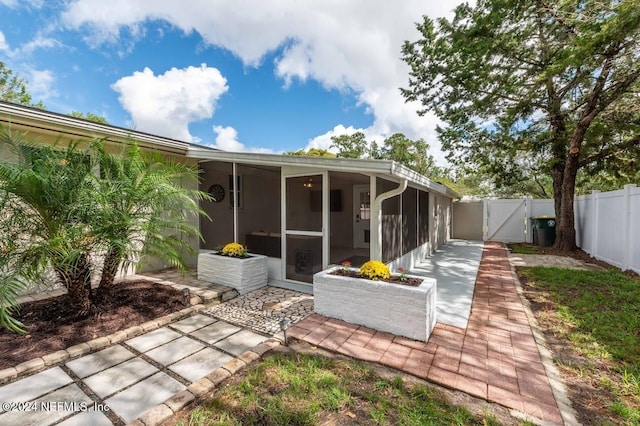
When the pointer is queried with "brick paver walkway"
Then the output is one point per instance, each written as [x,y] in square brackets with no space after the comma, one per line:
[495,357]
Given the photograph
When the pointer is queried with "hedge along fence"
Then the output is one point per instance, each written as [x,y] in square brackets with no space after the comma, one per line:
[608,226]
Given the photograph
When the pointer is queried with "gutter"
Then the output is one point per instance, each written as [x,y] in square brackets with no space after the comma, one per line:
[376,250]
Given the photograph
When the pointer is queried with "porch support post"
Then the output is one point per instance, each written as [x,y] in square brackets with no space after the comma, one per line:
[235,201]
[377,208]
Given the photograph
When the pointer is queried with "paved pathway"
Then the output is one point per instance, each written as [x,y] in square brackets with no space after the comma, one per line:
[118,384]
[454,266]
[495,357]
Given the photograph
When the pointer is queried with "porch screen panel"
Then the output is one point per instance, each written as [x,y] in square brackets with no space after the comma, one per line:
[409,220]
[259,220]
[304,203]
[423,217]
[304,257]
[391,229]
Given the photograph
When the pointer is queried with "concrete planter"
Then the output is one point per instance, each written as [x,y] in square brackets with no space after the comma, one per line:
[394,308]
[244,275]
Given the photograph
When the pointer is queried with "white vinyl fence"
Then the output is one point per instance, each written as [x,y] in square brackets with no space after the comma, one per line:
[608,226]
[607,223]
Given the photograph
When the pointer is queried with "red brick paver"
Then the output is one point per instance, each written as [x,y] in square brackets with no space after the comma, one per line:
[495,357]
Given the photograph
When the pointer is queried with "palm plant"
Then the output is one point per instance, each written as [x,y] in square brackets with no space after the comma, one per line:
[144,208]
[43,222]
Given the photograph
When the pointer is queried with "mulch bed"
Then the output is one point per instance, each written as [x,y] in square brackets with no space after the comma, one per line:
[53,325]
[395,279]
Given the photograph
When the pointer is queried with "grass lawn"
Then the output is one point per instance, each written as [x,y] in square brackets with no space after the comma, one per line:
[522,248]
[593,321]
[294,388]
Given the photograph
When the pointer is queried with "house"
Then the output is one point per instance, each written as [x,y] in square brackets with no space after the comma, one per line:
[304,213]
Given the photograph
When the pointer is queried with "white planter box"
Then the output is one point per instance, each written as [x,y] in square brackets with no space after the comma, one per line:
[398,309]
[244,275]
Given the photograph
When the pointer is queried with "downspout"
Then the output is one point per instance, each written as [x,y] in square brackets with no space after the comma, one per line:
[376,249]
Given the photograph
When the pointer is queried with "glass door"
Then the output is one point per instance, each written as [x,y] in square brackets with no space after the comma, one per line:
[304,226]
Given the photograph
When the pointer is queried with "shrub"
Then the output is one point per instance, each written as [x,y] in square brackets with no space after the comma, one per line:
[234,250]
[375,270]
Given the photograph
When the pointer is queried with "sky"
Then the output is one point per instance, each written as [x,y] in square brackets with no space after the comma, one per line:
[239,75]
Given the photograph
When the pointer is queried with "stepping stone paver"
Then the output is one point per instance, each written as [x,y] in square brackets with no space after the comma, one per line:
[129,385]
[237,343]
[139,398]
[200,364]
[193,323]
[50,408]
[216,331]
[115,378]
[175,350]
[153,339]
[91,417]
[91,364]
[34,386]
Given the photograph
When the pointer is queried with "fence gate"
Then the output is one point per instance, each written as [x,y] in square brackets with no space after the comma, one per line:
[505,220]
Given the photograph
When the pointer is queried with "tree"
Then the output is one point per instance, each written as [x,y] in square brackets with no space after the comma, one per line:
[534,82]
[45,200]
[413,154]
[351,146]
[143,207]
[397,147]
[14,89]
[88,116]
[64,207]
[312,152]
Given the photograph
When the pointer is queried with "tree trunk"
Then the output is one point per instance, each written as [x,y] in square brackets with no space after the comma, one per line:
[109,271]
[77,279]
[565,230]
[558,178]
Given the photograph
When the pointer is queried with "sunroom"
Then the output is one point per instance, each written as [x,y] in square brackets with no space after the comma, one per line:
[308,213]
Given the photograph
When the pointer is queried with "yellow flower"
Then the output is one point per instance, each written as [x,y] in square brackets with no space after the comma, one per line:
[234,250]
[375,270]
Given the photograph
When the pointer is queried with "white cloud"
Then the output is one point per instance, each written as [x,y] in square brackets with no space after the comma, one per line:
[323,141]
[39,42]
[40,83]
[28,3]
[227,140]
[166,104]
[343,45]
[3,42]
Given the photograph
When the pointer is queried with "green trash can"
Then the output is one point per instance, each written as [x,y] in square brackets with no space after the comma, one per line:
[544,230]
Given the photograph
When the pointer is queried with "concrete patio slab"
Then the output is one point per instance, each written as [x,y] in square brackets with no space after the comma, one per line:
[91,364]
[238,343]
[115,378]
[135,401]
[200,364]
[91,417]
[216,331]
[34,386]
[193,323]
[455,267]
[175,350]
[153,339]
[50,408]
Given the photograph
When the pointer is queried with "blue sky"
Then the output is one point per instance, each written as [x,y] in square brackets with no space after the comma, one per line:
[245,75]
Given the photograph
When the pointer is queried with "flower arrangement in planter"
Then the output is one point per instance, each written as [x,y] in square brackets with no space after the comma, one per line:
[372,296]
[233,266]
[234,250]
[377,271]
